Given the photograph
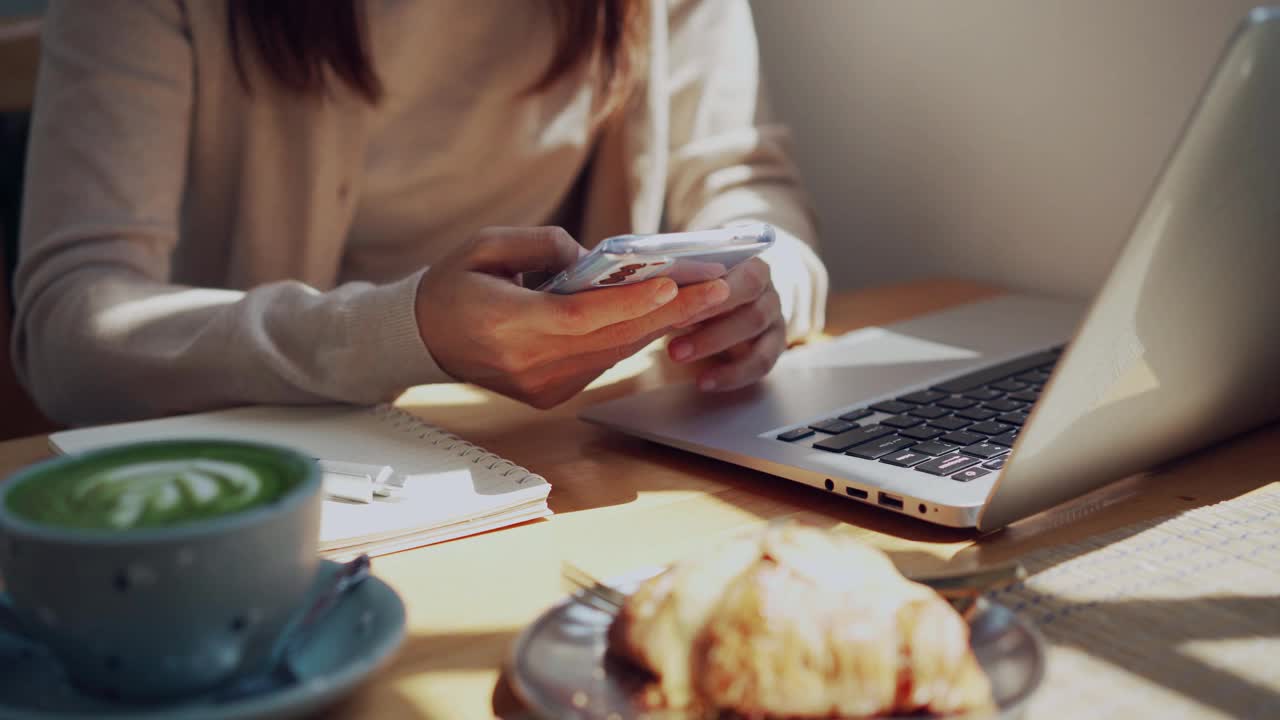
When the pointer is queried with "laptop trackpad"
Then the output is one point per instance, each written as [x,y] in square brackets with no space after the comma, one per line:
[808,384]
[822,380]
[873,346]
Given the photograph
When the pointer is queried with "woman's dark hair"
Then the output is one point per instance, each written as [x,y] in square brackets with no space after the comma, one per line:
[299,41]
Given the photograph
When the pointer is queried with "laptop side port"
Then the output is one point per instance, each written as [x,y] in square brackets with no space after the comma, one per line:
[890,501]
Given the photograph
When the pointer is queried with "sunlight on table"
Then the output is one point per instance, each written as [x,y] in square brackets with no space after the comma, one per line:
[443,394]
[1247,658]
[633,366]
[464,394]
[435,694]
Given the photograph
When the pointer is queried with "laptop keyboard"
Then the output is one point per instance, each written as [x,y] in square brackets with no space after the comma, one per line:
[961,429]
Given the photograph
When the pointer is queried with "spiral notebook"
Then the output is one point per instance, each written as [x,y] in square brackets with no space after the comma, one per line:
[446,487]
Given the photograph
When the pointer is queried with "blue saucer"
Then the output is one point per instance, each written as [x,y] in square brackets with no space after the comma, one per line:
[357,638]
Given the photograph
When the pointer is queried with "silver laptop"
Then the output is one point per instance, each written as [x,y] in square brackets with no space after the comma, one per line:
[996,410]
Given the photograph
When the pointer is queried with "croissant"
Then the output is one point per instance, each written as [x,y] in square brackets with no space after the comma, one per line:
[794,622]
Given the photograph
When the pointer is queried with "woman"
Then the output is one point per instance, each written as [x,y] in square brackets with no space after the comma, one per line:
[297,201]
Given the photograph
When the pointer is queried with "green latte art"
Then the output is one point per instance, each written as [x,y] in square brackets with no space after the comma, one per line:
[156,486]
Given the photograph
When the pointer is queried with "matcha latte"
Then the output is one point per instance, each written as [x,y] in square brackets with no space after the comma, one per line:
[157,485]
[160,570]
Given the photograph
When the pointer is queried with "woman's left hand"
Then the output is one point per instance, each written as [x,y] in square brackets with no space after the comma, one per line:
[747,331]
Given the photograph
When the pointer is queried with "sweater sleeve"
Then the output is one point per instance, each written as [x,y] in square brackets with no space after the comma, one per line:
[101,333]
[729,161]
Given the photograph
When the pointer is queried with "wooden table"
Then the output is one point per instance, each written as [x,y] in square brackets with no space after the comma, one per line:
[623,504]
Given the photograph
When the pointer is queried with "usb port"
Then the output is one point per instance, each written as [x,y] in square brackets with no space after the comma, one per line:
[855,492]
[890,501]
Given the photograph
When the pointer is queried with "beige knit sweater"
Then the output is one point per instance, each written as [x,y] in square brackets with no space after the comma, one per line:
[187,246]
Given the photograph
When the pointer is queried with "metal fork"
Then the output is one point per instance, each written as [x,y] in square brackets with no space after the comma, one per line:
[588,584]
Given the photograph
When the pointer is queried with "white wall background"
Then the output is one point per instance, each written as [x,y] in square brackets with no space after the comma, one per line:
[1010,141]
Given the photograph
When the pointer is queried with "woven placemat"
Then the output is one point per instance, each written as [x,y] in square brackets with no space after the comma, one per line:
[1171,618]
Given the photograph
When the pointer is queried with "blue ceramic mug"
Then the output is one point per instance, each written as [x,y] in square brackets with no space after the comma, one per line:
[159,570]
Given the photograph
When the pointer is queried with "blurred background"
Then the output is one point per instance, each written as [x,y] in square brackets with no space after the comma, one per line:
[1006,141]
[1012,141]
[19,54]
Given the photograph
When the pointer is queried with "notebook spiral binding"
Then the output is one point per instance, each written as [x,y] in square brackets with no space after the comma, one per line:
[407,422]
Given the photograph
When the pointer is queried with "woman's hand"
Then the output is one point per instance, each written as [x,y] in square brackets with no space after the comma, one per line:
[482,327]
[746,331]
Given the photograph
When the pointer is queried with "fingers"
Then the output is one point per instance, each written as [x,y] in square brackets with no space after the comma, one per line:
[689,301]
[729,330]
[587,312]
[747,282]
[510,251]
[553,384]
[752,366]
[608,357]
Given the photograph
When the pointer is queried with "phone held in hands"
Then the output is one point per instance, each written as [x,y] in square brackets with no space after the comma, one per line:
[686,258]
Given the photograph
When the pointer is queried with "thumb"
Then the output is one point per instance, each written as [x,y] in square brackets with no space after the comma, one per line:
[510,251]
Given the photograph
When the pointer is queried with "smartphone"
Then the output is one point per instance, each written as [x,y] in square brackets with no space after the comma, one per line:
[686,258]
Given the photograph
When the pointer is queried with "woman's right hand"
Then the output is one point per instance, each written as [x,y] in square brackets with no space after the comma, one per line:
[482,327]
